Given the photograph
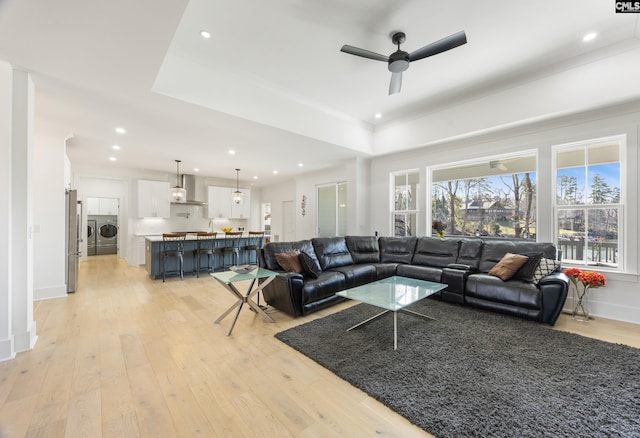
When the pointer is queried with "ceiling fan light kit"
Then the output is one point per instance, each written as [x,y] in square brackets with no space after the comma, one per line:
[399,60]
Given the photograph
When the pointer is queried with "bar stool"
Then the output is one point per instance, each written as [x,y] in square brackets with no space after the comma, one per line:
[231,246]
[172,247]
[205,245]
[254,243]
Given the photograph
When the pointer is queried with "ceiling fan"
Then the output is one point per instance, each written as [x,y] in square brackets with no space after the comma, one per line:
[399,60]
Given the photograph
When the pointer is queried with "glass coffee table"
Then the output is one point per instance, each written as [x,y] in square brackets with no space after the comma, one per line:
[392,294]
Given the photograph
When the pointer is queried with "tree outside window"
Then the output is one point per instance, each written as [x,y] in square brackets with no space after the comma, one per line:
[489,198]
[588,202]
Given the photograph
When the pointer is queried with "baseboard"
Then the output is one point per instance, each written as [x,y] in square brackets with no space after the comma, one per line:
[25,341]
[47,293]
[7,352]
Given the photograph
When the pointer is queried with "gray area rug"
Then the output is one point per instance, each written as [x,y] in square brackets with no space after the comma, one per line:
[476,373]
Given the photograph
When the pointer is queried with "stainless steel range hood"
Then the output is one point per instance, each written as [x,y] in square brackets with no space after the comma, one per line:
[188,182]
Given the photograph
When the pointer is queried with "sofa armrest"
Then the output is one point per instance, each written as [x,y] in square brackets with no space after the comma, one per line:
[461,267]
[554,288]
[285,293]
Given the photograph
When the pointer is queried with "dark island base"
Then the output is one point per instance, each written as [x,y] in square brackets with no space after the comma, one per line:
[153,263]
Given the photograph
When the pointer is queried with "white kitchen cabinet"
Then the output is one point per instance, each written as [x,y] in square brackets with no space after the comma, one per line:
[219,202]
[102,206]
[221,205]
[153,199]
[93,205]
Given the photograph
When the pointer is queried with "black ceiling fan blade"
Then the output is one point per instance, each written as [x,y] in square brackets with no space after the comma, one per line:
[364,53]
[446,43]
[396,83]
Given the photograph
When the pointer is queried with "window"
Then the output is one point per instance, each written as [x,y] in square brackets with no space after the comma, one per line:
[332,210]
[405,203]
[491,197]
[589,202]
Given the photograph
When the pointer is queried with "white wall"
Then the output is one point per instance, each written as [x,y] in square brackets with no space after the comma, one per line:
[620,298]
[6,334]
[354,172]
[559,92]
[49,279]
[276,195]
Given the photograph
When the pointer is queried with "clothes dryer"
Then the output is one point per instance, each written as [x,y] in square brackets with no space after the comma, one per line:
[106,235]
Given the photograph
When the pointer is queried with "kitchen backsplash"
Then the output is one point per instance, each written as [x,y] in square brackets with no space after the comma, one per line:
[186,218]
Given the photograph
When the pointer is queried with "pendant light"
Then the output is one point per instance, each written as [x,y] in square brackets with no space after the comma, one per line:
[178,193]
[237,195]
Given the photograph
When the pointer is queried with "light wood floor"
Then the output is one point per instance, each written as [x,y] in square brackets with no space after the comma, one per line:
[127,356]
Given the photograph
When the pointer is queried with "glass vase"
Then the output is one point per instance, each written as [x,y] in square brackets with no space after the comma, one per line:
[581,302]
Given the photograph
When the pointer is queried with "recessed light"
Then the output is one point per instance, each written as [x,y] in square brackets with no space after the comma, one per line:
[275,172]
[115,147]
[377,115]
[232,152]
[196,169]
[589,37]
[113,159]
[300,164]
[121,130]
[255,176]
[205,34]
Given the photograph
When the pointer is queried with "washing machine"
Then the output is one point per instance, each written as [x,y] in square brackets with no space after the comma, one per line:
[106,235]
[91,237]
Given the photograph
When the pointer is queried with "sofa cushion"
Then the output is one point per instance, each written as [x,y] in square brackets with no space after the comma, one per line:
[327,284]
[310,265]
[513,292]
[544,268]
[493,250]
[385,270]
[525,273]
[426,273]
[508,266]
[363,249]
[332,252]
[397,249]
[356,275]
[271,249]
[436,252]
[289,261]
[469,253]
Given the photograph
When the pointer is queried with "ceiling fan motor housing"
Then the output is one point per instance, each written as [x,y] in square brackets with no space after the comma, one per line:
[398,61]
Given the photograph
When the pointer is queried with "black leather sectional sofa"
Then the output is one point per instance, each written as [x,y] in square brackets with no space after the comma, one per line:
[460,263]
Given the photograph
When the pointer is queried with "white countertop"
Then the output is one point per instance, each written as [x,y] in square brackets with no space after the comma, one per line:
[158,237]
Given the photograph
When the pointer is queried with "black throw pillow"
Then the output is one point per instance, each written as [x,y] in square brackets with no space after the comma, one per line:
[310,266]
[525,273]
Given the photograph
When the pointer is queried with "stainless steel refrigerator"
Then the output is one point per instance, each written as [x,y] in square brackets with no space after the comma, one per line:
[73,237]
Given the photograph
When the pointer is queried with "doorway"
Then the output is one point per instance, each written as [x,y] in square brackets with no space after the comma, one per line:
[102,226]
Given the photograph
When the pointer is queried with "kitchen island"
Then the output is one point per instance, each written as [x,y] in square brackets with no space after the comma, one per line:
[153,246]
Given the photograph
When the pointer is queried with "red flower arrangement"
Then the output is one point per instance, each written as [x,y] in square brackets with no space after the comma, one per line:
[587,278]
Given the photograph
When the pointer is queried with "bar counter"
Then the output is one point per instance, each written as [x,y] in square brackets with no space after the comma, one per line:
[153,245]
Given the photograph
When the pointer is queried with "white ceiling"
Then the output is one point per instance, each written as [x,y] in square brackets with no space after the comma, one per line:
[271,82]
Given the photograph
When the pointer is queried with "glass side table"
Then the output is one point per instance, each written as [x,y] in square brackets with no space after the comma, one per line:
[228,278]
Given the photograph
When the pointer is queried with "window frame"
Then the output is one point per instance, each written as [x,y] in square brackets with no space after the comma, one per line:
[622,141]
[392,200]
